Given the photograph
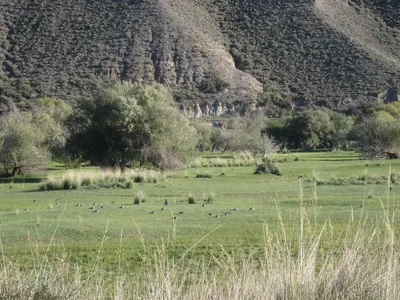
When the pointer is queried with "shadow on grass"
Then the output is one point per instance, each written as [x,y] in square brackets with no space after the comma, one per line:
[21,180]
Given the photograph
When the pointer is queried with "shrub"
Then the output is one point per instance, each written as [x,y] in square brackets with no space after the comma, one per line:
[75,184]
[129,184]
[87,181]
[139,178]
[393,177]
[203,175]
[267,167]
[210,198]
[191,199]
[67,183]
[140,197]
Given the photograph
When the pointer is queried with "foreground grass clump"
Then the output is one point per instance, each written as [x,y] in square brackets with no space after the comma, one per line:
[104,178]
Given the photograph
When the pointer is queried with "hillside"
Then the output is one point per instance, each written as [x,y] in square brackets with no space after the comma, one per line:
[216,55]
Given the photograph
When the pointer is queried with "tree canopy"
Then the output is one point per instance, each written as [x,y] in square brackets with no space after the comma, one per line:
[27,137]
[320,128]
[133,124]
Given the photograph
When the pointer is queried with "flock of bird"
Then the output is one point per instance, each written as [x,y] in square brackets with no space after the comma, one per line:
[97,207]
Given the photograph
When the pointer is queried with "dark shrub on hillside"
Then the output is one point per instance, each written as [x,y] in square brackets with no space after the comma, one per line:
[267,167]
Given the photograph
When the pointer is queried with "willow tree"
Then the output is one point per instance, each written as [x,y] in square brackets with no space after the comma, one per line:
[27,138]
[131,124]
[22,146]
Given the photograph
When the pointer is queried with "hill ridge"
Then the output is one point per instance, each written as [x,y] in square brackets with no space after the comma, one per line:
[211,53]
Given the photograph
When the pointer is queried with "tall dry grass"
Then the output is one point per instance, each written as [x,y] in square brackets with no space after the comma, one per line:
[74,179]
[362,264]
[239,159]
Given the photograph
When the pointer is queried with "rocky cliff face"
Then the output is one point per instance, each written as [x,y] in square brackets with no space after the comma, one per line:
[70,49]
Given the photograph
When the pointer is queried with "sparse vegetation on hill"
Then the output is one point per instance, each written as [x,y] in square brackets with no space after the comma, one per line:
[206,51]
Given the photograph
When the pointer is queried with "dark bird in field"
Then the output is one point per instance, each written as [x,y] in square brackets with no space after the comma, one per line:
[236,209]
[210,214]
[203,205]
[94,203]
[92,207]
[226,214]
[25,209]
[153,212]
[102,206]
[77,205]
[362,205]
[166,202]
[251,208]
[57,203]
[175,218]
[163,208]
[96,211]
[217,216]
[34,200]
[390,188]
[83,204]
[121,206]
[300,176]
[181,213]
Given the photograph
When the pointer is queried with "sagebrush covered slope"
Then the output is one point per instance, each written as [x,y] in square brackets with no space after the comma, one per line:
[318,51]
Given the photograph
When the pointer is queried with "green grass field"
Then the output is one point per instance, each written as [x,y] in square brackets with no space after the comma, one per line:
[34,223]
[81,229]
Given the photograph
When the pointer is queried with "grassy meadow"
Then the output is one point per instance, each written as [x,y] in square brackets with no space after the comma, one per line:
[327,228]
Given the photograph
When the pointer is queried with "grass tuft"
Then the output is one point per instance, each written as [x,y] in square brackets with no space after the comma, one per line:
[105,178]
[267,167]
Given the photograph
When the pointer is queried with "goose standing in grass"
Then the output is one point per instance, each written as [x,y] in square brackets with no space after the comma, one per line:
[121,206]
[210,214]
[175,218]
[166,202]
[217,216]
[251,208]
[163,208]
[153,212]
